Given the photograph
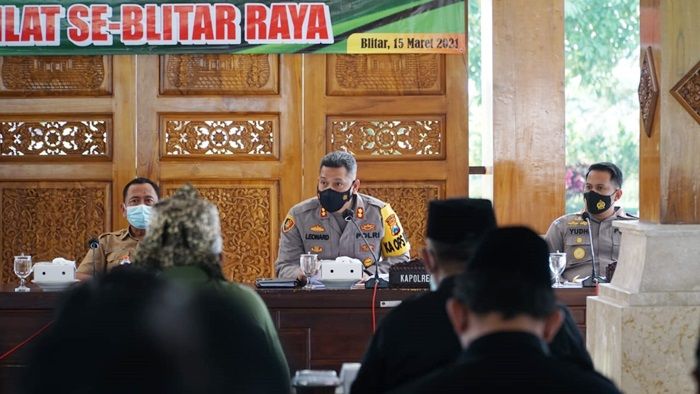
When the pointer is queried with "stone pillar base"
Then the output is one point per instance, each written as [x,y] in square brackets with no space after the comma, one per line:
[642,328]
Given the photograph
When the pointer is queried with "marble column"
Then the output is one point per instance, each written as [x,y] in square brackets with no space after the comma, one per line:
[642,328]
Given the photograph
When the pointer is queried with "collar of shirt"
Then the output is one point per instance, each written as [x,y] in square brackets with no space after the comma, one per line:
[504,343]
[124,234]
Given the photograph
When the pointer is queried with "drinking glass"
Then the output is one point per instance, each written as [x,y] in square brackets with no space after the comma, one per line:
[557,263]
[309,266]
[23,267]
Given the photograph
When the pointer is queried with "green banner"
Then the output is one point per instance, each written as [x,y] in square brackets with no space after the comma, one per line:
[154,27]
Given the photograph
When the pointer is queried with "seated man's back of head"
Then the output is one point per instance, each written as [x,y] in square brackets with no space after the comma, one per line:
[503,310]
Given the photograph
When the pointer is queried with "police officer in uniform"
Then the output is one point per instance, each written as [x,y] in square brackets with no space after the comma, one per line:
[318,225]
[569,233]
[118,247]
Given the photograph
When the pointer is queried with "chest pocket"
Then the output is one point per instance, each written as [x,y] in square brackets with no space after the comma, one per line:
[114,257]
[578,250]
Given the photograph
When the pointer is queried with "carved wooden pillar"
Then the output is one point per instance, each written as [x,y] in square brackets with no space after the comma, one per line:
[669,163]
[528,110]
[643,327]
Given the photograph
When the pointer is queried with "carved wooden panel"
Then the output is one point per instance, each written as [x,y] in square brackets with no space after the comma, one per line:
[379,75]
[219,74]
[410,202]
[687,92]
[648,91]
[249,226]
[50,219]
[55,76]
[223,136]
[45,137]
[389,138]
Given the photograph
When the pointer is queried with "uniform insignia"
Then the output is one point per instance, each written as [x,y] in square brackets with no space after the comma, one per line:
[317,228]
[360,213]
[600,204]
[367,262]
[579,253]
[364,248]
[324,213]
[288,224]
[579,240]
[316,249]
[391,222]
[368,227]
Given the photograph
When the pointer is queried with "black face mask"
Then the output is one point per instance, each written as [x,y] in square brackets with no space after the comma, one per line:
[332,200]
[597,203]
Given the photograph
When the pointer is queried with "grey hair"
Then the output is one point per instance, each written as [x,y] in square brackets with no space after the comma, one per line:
[185,230]
[339,159]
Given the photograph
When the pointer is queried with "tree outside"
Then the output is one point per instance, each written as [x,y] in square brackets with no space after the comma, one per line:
[601,51]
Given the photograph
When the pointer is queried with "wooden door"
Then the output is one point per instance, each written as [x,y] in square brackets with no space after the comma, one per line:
[247,130]
[404,117]
[66,149]
[230,125]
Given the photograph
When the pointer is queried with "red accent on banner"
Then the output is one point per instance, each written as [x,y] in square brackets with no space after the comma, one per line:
[79,32]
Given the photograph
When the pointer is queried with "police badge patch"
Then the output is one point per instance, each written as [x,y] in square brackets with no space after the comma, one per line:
[367,227]
[391,222]
[288,224]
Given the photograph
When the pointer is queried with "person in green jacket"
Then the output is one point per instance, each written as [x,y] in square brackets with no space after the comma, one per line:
[184,243]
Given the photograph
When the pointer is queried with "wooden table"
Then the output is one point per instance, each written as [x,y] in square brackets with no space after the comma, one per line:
[318,328]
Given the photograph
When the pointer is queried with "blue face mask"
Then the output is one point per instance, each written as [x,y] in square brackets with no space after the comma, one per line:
[139,216]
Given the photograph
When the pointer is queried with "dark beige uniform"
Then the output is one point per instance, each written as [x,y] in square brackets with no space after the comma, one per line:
[569,234]
[113,248]
[309,228]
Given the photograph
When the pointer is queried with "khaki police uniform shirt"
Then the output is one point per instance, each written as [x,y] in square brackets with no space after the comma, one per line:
[112,249]
[308,228]
[569,234]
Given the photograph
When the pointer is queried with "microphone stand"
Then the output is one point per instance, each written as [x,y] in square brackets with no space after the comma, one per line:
[348,215]
[93,244]
[595,278]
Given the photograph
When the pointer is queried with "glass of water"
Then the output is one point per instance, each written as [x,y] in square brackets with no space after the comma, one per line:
[557,263]
[309,266]
[23,268]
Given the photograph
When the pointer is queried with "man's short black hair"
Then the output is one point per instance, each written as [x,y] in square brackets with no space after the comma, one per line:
[508,274]
[339,159]
[610,168]
[140,181]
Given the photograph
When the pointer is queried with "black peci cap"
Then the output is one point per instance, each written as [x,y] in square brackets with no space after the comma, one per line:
[516,253]
[459,219]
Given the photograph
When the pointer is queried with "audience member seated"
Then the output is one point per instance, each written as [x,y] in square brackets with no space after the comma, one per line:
[184,242]
[134,332]
[503,310]
[416,337]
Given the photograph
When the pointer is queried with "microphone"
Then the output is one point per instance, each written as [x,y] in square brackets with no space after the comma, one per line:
[595,278]
[381,283]
[93,244]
